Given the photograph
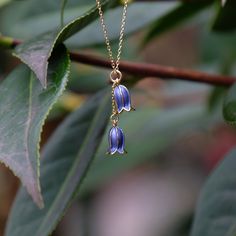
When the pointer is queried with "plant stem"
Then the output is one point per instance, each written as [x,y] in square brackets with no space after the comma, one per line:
[153,70]
[141,69]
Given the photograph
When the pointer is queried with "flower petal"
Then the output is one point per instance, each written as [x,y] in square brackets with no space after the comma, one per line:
[126,97]
[118,98]
[121,141]
[113,141]
[122,98]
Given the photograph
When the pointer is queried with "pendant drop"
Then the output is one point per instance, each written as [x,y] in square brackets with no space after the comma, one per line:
[122,98]
[116,141]
[121,101]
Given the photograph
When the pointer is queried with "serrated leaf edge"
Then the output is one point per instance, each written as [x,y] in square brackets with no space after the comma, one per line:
[57,41]
[63,87]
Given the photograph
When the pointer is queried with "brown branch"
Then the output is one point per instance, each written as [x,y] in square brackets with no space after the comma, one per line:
[147,70]
[153,70]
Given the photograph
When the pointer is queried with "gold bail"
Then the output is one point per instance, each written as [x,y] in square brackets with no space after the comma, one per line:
[115,76]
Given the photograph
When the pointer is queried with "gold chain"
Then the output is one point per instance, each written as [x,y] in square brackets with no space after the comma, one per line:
[114,64]
[115,75]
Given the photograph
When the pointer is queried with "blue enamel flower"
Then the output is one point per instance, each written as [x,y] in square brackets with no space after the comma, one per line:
[116,141]
[122,98]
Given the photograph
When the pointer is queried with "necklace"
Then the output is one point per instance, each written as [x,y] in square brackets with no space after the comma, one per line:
[120,96]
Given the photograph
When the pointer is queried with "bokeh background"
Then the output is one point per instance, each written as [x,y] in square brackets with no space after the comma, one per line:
[174,139]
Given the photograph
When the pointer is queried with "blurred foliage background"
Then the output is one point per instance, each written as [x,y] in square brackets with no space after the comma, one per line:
[174,139]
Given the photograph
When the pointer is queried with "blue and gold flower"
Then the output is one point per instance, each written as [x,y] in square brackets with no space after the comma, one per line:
[116,141]
[122,98]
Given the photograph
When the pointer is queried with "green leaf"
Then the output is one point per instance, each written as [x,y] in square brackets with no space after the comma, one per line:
[65,162]
[36,52]
[174,18]
[23,109]
[229,107]
[140,15]
[146,138]
[216,209]
[24,12]
[226,17]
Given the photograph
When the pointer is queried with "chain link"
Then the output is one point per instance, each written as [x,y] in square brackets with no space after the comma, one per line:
[114,64]
[114,116]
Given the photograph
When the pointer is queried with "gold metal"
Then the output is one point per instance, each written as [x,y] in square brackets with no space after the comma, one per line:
[115,76]
[114,63]
[114,116]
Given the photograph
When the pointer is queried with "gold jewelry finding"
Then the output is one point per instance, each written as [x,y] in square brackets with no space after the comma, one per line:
[120,96]
[115,76]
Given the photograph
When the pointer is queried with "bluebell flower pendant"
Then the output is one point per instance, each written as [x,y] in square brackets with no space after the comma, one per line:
[116,141]
[122,98]
[120,102]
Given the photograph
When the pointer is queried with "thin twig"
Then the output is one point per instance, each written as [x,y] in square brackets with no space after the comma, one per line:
[142,69]
[153,70]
